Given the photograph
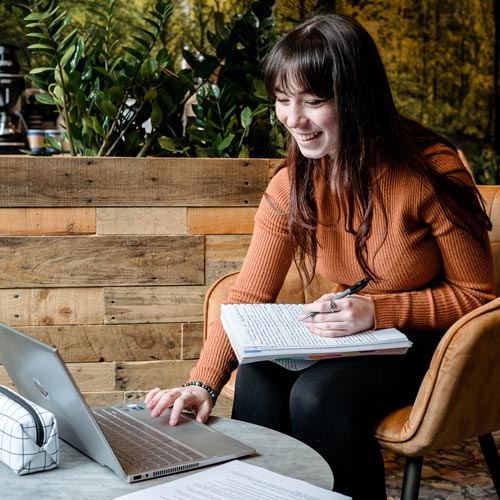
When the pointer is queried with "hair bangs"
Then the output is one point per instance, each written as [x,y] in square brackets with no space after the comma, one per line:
[300,63]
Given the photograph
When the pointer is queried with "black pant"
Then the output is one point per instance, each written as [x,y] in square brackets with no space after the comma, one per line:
[334,405]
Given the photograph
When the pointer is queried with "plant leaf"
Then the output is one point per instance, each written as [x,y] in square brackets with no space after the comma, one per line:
[37,46]
[246,117]
[68,55]
[35,71]
[150,94]
[45,99]
[224,144]
[170,144]
[108,108]
[156,115]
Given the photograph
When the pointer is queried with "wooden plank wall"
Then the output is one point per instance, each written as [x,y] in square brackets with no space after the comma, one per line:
[109,259]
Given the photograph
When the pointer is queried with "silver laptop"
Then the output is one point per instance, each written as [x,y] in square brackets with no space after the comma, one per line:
[123,437]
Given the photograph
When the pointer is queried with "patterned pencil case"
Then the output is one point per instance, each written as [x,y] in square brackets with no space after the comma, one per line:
[29,441]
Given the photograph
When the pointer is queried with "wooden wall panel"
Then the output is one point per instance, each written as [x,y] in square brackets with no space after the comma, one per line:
[103,398]
[146,375]
[215,270]
[192,340]
[227,247]
[90,377]
[221,220]
[51,306]
[109,259]
[154,304]
[105,343]
[224,254]
[123,377]
[142,220]
[94,376]
[98,261]
[38,221]
[106,182]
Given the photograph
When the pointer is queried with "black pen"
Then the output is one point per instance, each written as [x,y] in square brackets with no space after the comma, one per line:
[348,291]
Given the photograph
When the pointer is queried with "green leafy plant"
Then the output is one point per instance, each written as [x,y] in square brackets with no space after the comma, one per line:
[232,115]
[117,100]
[113,100]
[486,167]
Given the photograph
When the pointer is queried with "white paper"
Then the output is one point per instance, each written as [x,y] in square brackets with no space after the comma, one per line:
[235,480]
[260,331]
[294,365]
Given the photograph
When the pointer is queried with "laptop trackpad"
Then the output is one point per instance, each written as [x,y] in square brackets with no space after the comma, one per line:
[188,432]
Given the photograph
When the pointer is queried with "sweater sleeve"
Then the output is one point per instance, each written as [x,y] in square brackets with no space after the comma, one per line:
[467,280]
[261,277]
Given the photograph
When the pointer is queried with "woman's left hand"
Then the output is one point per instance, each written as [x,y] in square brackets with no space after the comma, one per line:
[353,314]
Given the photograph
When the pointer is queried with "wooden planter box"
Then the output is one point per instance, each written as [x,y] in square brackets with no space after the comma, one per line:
[109,259]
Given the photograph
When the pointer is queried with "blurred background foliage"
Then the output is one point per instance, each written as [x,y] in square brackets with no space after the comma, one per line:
[441,57]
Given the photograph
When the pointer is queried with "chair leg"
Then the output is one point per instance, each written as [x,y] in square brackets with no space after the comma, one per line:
[492,458]
[411,478]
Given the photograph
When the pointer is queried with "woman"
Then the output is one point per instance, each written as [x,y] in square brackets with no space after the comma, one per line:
[364,193]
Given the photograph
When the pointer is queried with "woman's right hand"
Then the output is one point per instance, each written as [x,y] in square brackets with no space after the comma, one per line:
[194,398]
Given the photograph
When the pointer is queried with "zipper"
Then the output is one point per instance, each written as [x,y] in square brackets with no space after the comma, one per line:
[36,417]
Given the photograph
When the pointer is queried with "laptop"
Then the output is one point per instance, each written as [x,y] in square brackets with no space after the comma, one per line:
[123,437]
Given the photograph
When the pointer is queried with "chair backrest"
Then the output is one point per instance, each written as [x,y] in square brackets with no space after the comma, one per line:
[491,195]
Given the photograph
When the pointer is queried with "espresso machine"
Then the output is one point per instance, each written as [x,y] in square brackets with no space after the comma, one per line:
[12,123]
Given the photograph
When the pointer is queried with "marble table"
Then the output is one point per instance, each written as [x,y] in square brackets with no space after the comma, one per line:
[80,478]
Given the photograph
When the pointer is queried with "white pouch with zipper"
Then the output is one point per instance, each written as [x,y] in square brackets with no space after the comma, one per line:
[29,441]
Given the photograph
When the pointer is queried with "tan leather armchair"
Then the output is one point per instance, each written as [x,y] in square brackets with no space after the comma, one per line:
[459,397]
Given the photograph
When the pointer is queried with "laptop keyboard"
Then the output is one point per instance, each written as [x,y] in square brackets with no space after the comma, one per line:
[136,445]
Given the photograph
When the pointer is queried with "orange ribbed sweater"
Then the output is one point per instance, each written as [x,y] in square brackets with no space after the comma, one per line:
[431,272]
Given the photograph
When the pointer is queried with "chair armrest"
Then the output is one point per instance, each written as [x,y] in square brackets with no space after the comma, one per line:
[458,397]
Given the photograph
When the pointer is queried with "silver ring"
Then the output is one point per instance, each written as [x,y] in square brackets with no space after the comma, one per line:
[333,305]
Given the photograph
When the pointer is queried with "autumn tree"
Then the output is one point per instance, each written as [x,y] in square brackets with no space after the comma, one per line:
[442,56]
[496,75]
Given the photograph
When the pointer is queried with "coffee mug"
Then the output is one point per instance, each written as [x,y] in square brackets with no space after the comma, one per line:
[36,140]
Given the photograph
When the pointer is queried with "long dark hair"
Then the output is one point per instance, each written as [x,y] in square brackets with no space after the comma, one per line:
[333,56]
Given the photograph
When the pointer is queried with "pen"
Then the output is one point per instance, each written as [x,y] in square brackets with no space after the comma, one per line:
[348,291]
